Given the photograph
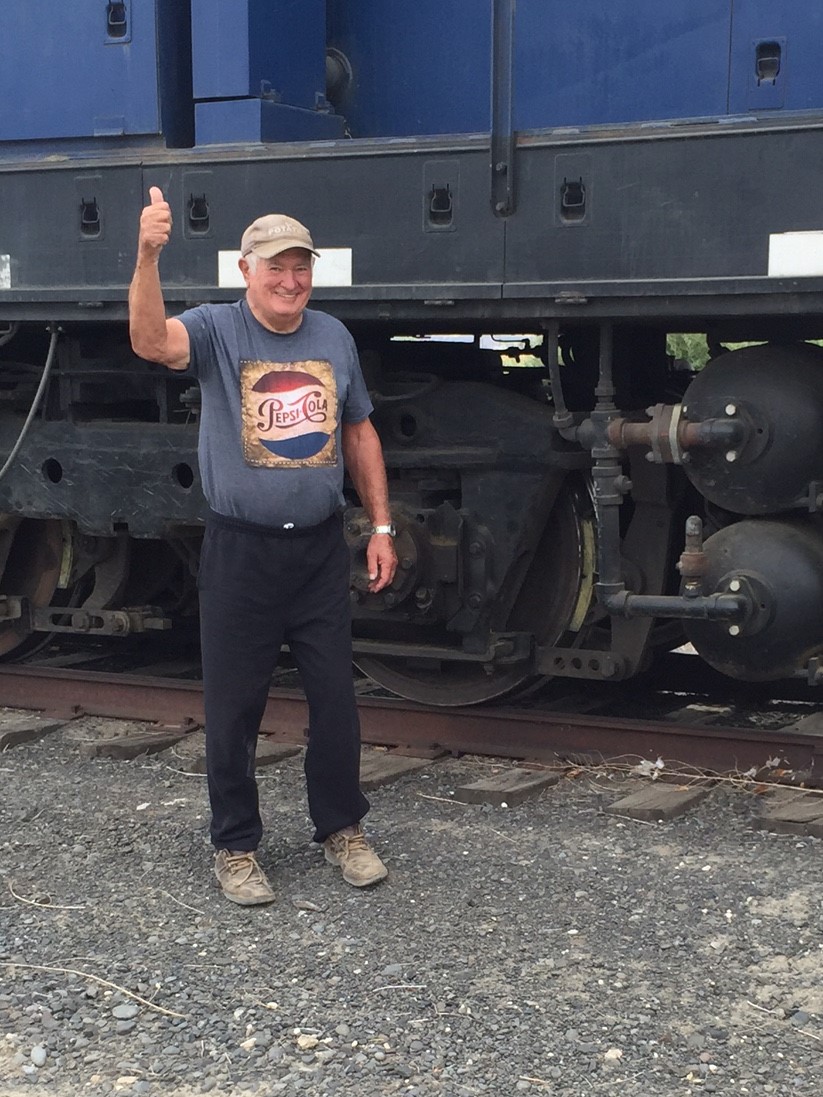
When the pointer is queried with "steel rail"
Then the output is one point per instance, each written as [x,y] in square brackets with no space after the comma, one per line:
[512,733]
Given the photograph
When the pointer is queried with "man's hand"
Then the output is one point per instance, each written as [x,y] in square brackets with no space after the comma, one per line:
[381,560]
[155,226]
[153,337]
[363,457]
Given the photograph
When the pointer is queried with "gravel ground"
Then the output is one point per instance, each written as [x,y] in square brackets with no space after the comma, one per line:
[543,949]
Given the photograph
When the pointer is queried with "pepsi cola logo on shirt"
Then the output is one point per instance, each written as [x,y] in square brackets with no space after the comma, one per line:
[289,413]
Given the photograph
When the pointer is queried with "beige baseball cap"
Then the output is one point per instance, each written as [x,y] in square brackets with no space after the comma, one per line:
[276,232]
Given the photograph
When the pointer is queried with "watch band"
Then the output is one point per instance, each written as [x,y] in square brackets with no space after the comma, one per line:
[385,529]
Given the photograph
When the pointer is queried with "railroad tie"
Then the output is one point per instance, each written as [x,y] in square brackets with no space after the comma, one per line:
[659,801]
[792,812]
[511,787]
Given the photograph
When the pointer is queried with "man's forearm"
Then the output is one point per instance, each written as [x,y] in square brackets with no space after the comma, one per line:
[148,329]
[147,311]
[363,456]
[371,486]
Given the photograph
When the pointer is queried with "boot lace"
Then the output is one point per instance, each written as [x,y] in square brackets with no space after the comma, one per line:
[350,841]
[357,842]
[238,863]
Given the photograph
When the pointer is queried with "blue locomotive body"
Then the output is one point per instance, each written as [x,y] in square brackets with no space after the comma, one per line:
[595,176]
[154,69]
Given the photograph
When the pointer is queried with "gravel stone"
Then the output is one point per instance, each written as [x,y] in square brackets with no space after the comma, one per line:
[510,951]
[126,1011]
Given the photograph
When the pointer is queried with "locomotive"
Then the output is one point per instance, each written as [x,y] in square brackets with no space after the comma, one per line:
[515,205]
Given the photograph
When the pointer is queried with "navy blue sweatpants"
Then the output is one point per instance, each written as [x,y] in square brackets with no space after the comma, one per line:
[259,587]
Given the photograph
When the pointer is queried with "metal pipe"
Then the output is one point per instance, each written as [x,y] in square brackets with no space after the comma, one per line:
[562,418]
[609,487]
[707,434]
[9,333]
[605,435]
[35,404]
[606,475]
[502,134]
[713,607]
[605,383]
[693,562]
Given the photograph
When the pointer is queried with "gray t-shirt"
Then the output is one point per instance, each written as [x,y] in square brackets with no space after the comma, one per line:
[273,404]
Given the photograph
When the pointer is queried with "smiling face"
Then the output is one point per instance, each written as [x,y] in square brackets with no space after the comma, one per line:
[278,289]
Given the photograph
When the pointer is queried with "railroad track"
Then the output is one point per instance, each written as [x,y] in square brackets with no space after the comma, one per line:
[679,730]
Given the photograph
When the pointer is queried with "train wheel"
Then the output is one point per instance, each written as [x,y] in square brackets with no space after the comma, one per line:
[552,604]
[32,557]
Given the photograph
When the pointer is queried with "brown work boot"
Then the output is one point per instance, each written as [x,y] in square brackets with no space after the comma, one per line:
[241,878]
[349,849]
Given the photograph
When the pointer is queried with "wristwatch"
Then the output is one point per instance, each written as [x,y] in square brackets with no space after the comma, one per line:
[392,532]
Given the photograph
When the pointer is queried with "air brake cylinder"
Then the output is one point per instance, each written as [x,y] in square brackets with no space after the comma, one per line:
[773,462]
[776,566]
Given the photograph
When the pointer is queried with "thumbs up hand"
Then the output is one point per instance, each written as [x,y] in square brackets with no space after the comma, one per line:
[155,225]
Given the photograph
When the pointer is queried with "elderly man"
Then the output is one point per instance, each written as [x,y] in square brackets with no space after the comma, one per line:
[284,404]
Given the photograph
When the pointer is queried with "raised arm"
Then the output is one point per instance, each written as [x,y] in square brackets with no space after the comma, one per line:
[153,336]
[363,457]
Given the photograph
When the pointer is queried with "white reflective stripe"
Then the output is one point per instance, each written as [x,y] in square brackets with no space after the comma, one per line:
[5,272]
[796,254]
[332,268]
[228,272]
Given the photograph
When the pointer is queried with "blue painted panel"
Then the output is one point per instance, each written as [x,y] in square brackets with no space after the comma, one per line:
[62,74]
[425,67]
[419,67]
[252,121]
[243,47]
[775,58]
[592,62]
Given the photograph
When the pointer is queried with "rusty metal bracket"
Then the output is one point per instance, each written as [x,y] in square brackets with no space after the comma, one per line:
[502,647]
[12,608]
[580,663]
[99,622]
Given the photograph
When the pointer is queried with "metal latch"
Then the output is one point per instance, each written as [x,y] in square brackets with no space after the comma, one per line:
[89,217]
[117,25]
[441,204]
[573,200]
[767,62]
[199,213]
